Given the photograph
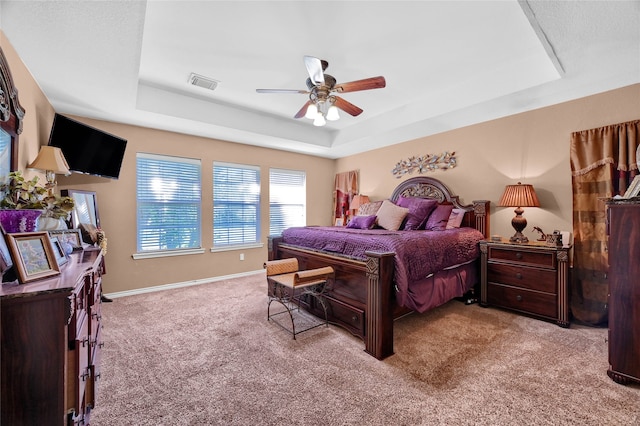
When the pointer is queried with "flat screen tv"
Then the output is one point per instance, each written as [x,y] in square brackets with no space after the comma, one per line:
[87,149]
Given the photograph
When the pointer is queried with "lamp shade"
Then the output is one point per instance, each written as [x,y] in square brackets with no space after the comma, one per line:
[519,196]
[50,158]
[357,201]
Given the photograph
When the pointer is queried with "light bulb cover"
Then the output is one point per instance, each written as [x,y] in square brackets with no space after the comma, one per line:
[319,120]
[332,113]
[312,112]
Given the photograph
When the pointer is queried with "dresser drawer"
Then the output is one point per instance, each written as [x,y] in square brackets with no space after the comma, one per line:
[518,276]
[522,300]
[527,257]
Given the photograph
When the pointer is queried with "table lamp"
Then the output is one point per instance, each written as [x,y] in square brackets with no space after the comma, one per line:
[52,161]
[357,201]
[519,196]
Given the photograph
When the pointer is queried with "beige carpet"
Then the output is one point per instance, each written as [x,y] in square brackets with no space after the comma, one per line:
[206,355]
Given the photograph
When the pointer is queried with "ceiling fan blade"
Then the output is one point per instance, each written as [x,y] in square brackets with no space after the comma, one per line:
[303,110]
[347,107]
[315,69]
[366,84]
[281,91]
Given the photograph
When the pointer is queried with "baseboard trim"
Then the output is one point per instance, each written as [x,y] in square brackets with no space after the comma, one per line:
[180,284]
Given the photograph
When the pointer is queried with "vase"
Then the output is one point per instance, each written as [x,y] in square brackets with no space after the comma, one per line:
[51,224]
[20,220]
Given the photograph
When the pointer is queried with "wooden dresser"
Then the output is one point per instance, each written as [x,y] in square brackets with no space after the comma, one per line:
[51,344]
[623,227]
[530,278]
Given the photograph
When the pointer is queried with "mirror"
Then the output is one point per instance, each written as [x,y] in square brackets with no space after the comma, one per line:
[5,155]
[11,115]
[85,211]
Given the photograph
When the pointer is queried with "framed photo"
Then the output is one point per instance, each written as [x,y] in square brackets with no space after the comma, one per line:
[58,251]
[5,256]
[72,237]
[339,222]
[634,188]
[33,256]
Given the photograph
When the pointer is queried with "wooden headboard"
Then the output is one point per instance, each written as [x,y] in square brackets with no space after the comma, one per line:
[477,213]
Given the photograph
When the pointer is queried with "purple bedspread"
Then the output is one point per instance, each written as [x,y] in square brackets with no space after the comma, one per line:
[418,254]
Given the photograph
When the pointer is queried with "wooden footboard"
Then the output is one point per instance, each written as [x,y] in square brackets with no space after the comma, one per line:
[360,297]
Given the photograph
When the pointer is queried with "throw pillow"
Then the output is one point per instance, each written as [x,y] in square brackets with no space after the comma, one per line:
[438,219]
[419,211]
[391,216]
[362,222]
[369,209]
[455,218]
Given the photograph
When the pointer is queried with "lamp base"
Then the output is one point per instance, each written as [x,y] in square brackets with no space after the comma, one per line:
[518,237]
[519,223]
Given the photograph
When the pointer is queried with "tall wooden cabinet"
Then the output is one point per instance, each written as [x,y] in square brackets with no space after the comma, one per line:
[50,345]
[623,225]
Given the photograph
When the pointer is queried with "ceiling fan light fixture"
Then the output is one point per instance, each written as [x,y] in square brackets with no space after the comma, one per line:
[332,113]
[319,120]
[312,112]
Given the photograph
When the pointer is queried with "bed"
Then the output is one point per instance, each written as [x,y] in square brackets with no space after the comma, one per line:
[382,274]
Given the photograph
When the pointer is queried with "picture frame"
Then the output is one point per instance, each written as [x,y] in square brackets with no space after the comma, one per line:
[33,256]
[58,251]
[634,188]
[6,262]
[72,237]
[339,222]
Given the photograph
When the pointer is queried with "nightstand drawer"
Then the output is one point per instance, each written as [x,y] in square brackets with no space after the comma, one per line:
[522,300]
[535,279]
[544,259]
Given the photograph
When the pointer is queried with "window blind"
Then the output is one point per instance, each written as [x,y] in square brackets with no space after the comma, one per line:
[236,204]
[287,199]
[168,202]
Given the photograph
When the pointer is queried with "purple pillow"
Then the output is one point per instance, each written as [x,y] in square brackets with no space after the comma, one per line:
[362,222]
[438,219]
[419,211]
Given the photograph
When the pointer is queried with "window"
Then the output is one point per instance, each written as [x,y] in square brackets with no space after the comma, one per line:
[287,200]
[236,205]
[169,202]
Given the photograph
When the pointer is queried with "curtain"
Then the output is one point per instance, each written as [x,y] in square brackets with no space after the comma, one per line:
[603,164]
[346,186]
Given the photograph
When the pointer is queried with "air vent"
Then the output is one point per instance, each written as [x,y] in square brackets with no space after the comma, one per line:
[204,82]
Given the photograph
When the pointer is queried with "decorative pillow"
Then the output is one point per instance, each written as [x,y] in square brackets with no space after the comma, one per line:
[391,216]
[369,209]
[438,219]
[362,222]
[419,210]
[455,218]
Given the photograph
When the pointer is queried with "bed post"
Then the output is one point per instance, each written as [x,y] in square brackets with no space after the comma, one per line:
[481,213]
[379,311]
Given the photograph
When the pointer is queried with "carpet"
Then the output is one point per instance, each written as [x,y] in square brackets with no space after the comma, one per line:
[206,355]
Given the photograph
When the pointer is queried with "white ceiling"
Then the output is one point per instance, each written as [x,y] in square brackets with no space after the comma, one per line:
[447,64]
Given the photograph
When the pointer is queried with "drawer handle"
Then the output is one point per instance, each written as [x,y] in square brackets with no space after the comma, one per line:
[354,318]
[518,255]
[519,298]
[519,275]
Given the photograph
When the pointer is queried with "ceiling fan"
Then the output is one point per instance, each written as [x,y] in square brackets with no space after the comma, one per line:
[323,104]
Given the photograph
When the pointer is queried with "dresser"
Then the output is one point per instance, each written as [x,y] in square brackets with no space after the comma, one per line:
[529,278]
[623,227]
[51,344]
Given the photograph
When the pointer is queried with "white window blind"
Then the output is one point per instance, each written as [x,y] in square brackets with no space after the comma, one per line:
[168,202]
[287,199]
[236,204]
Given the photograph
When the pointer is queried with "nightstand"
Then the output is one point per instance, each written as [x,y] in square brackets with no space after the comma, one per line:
[530,278]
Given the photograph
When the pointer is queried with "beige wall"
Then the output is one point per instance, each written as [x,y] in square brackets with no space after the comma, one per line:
[531,147]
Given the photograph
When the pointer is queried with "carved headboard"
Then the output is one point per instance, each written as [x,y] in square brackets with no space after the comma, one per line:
[476,216]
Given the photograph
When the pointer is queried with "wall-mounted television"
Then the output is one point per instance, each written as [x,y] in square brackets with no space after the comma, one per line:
[87,149]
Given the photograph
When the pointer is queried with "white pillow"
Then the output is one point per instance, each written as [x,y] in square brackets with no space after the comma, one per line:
[455,218]
[391,216]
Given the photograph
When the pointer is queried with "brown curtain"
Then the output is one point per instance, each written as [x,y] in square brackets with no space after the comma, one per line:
[346,186]
[603,164]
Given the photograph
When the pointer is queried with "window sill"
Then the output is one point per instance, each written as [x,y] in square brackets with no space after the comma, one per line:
[167,253]
[238,247]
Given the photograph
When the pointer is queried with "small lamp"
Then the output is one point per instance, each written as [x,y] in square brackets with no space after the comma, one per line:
[51,160]
[519,196]
[357,201]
